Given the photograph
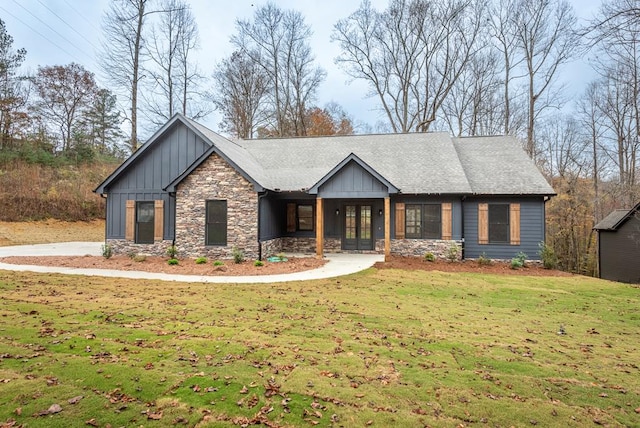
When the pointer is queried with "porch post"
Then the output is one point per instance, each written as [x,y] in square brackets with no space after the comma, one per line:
[319,228]
[387,228]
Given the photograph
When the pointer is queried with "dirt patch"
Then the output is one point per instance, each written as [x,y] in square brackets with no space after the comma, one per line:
[185,266]
[48,231]
[496,267]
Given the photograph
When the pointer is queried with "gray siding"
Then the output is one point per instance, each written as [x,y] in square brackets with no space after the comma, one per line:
[531,229]
[353,181]
[620,252]
[170,155]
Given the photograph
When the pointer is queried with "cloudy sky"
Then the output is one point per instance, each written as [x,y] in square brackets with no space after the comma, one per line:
[58,32]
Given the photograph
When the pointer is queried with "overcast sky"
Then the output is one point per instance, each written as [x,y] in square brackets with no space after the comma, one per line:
[58,32]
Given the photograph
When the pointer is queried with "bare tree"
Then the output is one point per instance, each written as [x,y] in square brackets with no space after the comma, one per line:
[12,95]
[547,39]
[123,27]
[411,54]
[173,78]
[241,87]
[65,94]
[278,41]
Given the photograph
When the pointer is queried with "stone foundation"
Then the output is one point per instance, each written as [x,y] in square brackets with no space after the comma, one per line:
[124,247]
[419,247]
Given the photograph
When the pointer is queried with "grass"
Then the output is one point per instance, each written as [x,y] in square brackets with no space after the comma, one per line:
[381,348]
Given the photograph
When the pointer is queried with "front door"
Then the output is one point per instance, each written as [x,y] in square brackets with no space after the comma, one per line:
[357,228]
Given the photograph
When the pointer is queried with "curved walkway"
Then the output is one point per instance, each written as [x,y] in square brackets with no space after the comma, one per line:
[337,265]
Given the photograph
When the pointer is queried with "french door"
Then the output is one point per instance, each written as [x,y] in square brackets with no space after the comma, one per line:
[357,228]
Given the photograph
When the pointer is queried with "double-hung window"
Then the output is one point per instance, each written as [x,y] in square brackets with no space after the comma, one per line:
[423,221]
[216,224]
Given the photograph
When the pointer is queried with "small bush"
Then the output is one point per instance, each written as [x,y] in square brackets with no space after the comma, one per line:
[139,258]
[107,251]
[238,255]
[218,263]
[172,262]
[258,263]
[452,253]
[172,251]
[548,256]
[483,260]
[516,263]
[522,257]
[201,260]
[429,257]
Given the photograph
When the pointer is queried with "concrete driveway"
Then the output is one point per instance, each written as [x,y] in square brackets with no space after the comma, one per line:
[337,265]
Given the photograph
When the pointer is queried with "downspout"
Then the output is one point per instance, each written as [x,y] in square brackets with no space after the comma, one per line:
[173,241]
[106,210]
[260,196]
[462,225]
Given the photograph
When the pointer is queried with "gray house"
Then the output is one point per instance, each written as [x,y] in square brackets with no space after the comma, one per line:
[619,245]
[403,194]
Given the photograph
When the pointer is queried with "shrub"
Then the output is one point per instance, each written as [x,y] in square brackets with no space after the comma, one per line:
[107,251]
[201,260]
[516,263]
[483,260]
[429,257]
[452,253]
[238,255]
[218,263]
[172,251]
[548,256]
[258,263]
[139,258]
[172,262]
[519,260]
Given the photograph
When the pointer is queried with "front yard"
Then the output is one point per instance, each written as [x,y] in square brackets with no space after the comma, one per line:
[382,348]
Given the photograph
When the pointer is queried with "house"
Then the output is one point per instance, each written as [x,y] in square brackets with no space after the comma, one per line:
[405,194]
[619,245]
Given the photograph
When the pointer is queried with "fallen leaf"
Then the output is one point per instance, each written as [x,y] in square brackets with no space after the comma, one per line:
[54,408]
[154,416]
[244,390]
[74,400]
[92,422]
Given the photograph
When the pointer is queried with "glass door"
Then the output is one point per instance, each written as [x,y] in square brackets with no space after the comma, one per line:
[357,228]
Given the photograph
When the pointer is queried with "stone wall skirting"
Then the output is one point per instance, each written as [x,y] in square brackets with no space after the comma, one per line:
[124,247]
[419,247]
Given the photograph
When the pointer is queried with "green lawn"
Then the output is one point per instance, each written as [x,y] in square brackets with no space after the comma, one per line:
[381,348]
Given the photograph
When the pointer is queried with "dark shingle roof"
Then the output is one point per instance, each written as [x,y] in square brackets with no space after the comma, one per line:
[499,166]
[417,163]
[616,218]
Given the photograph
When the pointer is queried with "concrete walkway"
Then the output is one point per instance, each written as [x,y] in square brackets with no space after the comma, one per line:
[337,265]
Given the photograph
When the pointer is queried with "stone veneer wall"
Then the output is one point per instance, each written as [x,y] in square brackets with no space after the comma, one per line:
[216,179]
[419,247]
[124,247]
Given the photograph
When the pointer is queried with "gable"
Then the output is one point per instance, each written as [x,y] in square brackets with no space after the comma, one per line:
[159,161]
[353,181]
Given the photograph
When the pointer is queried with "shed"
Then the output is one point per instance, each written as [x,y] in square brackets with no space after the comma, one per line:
[619,245]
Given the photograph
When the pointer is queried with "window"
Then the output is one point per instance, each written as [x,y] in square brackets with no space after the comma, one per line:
[299,217]
[216,227]
[305,217]
[413,218]
[423,221]
[144,222]
[498,223]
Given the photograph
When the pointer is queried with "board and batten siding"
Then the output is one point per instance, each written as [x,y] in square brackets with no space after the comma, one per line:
[352,181]
[170,155]
[620,252]
[532,229]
